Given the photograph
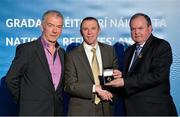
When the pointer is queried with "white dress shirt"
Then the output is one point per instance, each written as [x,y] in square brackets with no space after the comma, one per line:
[89,55]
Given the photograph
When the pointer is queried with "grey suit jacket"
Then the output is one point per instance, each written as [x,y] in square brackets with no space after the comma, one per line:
[79,79]
[29,80]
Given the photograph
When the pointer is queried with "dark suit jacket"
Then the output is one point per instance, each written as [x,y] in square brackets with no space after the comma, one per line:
[79,79]
[29,80]
[147,85]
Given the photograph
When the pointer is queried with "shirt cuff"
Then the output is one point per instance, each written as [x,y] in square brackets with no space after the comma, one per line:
[93,89]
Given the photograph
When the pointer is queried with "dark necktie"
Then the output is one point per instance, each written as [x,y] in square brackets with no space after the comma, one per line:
[136,54]
[137,51]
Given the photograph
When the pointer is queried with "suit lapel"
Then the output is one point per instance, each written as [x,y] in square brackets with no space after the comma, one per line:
[142,53]
[135,62]
[42,57]
[61,56]
[103,54]
[82,56]
[127,59]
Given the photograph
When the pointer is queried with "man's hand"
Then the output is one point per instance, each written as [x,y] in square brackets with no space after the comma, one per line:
[117,74]
[118,82]
[103,94]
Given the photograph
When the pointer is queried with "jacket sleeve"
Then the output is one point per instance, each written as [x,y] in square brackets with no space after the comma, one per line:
[73,78]
[16,72]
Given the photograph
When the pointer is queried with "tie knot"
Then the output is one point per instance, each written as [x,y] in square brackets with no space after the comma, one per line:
[93,50]
[138,47]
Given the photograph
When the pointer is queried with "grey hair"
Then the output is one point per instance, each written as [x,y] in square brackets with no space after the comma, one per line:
[57,13]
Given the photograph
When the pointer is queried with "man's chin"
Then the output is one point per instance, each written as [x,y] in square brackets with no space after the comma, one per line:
[53,41]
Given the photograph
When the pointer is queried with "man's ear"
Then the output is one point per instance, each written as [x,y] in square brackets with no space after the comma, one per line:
[150,28]
[81,32]
[99,32]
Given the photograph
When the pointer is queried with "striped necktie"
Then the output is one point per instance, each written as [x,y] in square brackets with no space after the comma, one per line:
[136,54]
[137,51]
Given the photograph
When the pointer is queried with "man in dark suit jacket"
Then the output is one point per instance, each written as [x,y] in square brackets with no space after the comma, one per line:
[146,79]
[80,82]
[35,77]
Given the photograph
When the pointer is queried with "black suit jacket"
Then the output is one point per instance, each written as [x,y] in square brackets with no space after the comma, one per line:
[147,85]
[29,80]
[79,80]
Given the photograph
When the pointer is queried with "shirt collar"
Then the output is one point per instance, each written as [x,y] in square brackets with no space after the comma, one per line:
[46,44]
[141,45]
[89,47]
